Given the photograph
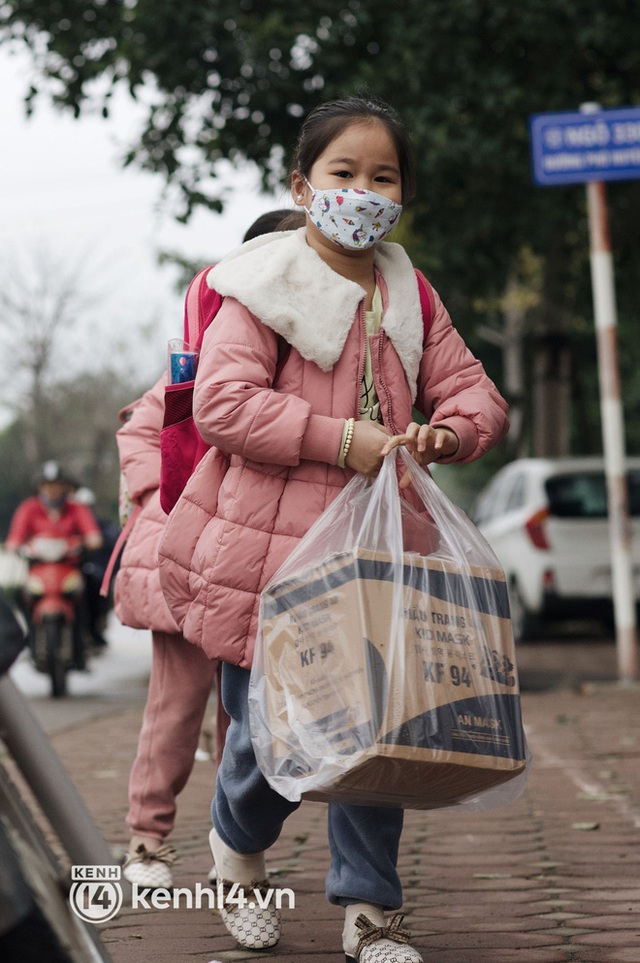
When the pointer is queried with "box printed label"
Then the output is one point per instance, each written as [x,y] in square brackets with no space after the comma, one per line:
[439,683]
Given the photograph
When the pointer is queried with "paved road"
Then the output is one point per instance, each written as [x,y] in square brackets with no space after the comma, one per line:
[567,655]
[550,878]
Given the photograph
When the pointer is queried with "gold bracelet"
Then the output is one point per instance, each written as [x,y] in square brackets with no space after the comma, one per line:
[347,442]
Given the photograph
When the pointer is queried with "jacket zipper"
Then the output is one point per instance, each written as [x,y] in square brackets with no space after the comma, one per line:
[363,326]
[383,384]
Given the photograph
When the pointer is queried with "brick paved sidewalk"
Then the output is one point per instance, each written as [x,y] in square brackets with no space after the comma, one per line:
[552,878]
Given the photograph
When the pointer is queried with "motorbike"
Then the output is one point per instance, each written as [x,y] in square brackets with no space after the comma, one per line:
[53,594]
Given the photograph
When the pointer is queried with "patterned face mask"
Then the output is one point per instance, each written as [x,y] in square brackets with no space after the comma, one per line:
[353,218]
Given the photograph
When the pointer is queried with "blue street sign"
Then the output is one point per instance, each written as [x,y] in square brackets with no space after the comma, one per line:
[573,147]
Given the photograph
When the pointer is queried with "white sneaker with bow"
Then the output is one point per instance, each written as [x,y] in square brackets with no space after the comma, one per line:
[150,868]
[368,938]
[244,896]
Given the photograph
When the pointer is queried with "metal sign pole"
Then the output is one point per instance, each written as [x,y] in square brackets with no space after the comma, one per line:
[591,147]
[613,432]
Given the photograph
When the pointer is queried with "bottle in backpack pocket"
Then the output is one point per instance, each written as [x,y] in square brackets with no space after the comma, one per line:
[183,361]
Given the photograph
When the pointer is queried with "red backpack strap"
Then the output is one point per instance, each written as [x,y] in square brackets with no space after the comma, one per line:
[192,316]
[210,303]
[427,303]
[202,304]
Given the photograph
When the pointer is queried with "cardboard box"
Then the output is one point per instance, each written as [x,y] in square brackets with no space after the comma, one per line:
[350,721]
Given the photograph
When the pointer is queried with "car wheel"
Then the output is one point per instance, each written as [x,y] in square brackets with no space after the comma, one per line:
[523,622]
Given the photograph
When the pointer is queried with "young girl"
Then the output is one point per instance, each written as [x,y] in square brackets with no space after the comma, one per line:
[347,303]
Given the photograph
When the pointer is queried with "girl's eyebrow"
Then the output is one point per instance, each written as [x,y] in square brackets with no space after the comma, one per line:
[351,160]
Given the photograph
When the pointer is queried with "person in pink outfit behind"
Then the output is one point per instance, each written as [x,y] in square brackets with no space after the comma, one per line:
[182,676]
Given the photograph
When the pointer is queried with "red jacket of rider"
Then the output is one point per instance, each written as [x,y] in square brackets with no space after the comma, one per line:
[33,518]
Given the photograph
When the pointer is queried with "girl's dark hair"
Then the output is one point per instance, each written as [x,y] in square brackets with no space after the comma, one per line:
[328,120]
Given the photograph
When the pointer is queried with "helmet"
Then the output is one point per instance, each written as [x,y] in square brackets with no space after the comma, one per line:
[52,472]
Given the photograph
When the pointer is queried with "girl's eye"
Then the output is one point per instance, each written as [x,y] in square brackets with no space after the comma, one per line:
[392,178]
[344,174]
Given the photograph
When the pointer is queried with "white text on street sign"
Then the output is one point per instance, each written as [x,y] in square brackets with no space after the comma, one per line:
[574,147]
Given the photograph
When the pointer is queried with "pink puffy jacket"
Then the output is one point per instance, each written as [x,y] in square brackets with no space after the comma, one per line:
[243,512]
[139,601]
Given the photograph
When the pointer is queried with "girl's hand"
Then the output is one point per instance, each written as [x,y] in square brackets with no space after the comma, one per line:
[425,443]
[366,451]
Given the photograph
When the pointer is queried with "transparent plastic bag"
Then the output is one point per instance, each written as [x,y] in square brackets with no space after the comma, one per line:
[384,671]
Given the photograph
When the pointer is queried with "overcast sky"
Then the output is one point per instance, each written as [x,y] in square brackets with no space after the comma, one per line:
[63,190]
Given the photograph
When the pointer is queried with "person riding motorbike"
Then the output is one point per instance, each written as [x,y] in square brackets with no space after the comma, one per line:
[52,514]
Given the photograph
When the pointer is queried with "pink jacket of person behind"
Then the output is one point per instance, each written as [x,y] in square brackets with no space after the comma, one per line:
[139,601]
[238,519]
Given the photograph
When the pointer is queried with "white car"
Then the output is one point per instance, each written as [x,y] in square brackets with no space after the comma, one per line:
[546,520]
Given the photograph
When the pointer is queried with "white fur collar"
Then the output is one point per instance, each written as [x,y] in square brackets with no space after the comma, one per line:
[286,284]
